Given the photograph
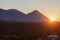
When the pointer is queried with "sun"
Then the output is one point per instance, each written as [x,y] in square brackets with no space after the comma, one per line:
[52,19]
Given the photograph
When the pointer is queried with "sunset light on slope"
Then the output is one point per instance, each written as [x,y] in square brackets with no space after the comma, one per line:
[52,19]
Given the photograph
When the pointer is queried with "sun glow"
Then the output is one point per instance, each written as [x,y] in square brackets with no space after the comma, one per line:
[52,19]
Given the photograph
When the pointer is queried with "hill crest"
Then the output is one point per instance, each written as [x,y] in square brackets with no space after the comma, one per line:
[16,15]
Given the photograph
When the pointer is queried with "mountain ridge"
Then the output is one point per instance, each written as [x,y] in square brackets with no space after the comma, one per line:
[16,15]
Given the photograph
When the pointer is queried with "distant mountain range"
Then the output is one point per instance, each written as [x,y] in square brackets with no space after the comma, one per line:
[16,15]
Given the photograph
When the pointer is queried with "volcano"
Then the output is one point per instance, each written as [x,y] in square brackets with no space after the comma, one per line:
[36,16]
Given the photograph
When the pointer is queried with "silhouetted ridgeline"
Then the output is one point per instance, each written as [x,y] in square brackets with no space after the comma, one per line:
[15,15]
[14,22]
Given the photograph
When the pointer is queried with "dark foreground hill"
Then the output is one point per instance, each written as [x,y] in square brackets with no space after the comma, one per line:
[29,28]
[16,24]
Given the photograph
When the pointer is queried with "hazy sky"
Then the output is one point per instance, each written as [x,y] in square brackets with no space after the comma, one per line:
[47,7]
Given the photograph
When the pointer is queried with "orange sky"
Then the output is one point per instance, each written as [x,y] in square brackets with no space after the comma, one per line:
[47,7]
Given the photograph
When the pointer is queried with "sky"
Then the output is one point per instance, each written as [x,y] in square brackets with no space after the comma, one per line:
[47,7]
